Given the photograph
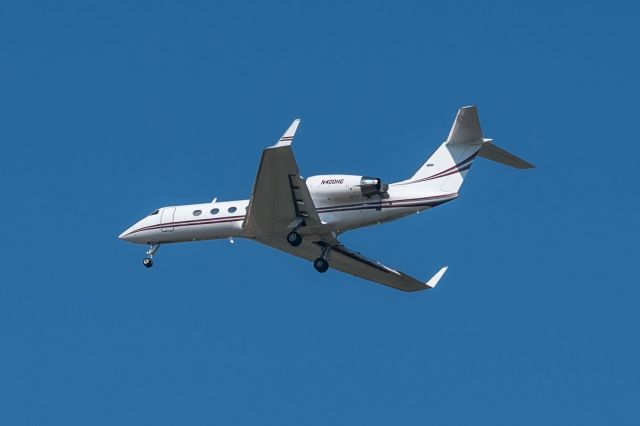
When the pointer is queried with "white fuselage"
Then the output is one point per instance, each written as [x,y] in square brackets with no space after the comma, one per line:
[217,220]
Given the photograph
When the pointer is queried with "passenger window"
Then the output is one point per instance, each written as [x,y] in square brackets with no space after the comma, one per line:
[197,212]
[215,211]
[232,209]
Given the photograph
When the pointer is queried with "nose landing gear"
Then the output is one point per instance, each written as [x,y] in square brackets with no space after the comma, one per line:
[153,249]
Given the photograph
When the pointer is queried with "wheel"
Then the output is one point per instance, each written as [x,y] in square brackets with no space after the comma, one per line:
[294,238]
[147,262]
[321,265]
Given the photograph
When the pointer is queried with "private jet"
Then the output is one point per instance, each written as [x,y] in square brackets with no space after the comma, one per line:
[305,217]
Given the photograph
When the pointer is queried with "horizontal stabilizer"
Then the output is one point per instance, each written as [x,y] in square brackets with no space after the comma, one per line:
[491,151]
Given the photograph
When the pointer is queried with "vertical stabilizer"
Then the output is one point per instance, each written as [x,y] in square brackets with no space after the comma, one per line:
[446,168]
[466,128]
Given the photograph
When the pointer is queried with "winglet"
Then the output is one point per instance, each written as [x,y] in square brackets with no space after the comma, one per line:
[287,138]
[434,280]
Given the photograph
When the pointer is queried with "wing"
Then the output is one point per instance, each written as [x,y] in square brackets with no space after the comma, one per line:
[351,262]
[280,200]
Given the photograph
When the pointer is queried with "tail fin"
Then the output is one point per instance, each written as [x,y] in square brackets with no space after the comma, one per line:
[446,169]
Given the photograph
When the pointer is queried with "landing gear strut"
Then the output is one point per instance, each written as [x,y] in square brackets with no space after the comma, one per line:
[294,238]
[153,249]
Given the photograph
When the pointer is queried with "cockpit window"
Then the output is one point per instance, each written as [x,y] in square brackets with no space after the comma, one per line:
[154,212]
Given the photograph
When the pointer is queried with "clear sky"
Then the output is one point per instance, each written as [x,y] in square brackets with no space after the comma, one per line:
[109,110]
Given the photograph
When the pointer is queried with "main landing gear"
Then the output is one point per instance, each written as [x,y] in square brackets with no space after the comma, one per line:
[322,264]
[153,249]
[294,238]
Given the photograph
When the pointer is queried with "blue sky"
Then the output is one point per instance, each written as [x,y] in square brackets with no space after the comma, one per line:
[111,109]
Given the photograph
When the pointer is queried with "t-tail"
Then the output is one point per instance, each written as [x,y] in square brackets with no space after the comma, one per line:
[446,169]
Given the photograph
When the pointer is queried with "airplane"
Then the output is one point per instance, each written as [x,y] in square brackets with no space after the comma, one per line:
[304,217]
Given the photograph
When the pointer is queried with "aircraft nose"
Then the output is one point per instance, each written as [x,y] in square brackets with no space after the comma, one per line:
[133,234]
[125,236]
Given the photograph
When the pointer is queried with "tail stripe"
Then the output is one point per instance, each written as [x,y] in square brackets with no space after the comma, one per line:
[461,166]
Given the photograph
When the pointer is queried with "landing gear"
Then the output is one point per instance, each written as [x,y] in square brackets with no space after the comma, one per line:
[294,238]
[153,249]
[321,265]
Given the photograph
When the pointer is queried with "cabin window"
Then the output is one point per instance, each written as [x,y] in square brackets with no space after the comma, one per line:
[232,209]
[214,211]
[197,212]
[154,212]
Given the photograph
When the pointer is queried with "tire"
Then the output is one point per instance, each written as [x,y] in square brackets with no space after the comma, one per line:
[147,262]
[294,239]
[321,265]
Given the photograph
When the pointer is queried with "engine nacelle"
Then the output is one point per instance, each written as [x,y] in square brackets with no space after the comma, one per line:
[345,187]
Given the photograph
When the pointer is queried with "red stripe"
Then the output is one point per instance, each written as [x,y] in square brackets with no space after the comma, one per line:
[452,170]
[408,202]
[189,223]
[322,209]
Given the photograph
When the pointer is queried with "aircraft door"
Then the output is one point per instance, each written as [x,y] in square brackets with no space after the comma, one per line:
[167,217]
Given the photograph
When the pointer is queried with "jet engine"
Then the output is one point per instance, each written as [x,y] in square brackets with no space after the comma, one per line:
[345,187]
